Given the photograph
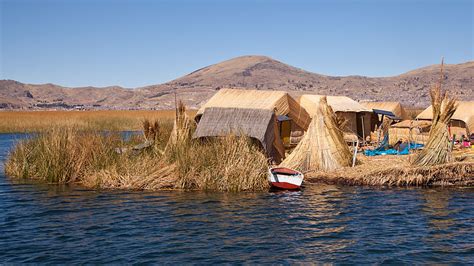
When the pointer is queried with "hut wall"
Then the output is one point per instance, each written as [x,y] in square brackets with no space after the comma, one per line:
[255,123]
[351,118]
[366,123]
[414,135]
[464,113]
[355,123]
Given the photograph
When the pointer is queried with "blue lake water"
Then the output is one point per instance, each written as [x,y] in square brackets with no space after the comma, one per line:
[323,223]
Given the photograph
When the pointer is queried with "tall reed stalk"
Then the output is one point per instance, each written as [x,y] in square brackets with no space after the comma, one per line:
[438,147]
[174,161]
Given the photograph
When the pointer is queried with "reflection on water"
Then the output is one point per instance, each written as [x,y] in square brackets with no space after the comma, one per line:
[323,223]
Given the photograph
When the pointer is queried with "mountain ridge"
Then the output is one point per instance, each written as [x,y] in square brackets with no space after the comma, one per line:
[251,72]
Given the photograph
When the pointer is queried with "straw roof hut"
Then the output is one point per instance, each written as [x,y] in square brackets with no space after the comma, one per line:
[384,114]
[462,121]
[265,116]
[357,116]
[410,130]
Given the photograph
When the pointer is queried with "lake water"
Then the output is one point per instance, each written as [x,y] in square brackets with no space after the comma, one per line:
[323,223]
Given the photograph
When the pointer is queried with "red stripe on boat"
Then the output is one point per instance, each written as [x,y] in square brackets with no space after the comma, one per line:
[284,185]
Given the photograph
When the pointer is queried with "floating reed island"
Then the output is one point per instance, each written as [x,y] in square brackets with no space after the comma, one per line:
[434,164]
[238,134]
[165,157]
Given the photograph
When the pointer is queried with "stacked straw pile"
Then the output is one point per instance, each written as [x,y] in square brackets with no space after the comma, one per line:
[323,146]
[438,148]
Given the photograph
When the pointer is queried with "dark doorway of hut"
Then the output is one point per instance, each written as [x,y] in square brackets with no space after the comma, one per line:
[290,133]
[284,126]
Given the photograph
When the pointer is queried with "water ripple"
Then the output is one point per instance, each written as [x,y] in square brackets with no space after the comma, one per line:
[323,223]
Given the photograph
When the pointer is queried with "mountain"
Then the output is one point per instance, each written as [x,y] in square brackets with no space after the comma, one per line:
[252,72]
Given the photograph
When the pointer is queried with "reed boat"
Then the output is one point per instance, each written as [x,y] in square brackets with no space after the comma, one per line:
[285,178]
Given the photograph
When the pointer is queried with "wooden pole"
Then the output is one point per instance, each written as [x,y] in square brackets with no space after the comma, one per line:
[363,129]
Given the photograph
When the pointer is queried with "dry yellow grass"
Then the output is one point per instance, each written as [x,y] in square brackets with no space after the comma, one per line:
[39,121]
[67,155]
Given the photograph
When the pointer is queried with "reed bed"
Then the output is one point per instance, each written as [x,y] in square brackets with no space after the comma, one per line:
[111,120]
[230,163]
[64,155]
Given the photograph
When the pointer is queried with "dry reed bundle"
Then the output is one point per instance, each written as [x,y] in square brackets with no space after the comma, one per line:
[182,127]
[151,130]
[438,148]
[323,146]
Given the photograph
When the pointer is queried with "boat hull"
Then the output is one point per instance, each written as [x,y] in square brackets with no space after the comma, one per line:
[285,178]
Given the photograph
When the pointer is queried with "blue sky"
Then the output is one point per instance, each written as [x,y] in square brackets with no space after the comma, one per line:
[137,43]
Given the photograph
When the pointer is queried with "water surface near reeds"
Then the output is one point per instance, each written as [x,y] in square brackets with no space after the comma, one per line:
[323,223]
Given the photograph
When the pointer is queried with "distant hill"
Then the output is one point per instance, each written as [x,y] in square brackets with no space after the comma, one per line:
[253,72]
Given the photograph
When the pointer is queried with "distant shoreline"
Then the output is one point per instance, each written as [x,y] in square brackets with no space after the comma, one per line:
[21,121]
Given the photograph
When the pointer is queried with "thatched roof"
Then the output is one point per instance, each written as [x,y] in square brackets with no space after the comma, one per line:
[395,107]
[337,103]
[412,124]
[464,112]
[279,101]
[258,124]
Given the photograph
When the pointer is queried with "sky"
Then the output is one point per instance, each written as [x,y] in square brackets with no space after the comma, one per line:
[134,43]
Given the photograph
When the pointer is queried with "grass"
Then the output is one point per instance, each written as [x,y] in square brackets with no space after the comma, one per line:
[66,154]
[40,121]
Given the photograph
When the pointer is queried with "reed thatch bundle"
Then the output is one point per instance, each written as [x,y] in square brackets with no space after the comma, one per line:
[323,146]
[183,126]
[438,148]
[151,130]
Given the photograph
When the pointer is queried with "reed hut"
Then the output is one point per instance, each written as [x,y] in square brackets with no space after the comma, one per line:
[416,131]
[357,116]
[383,115]
[462,121]
[270,118]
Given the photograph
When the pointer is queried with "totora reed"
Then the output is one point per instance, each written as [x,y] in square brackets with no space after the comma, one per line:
[323,146]
[166,157]
[433,165]
[90,158]
[438,147]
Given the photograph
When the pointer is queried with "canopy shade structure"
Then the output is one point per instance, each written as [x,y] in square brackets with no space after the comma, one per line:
[395,107]
[386,114]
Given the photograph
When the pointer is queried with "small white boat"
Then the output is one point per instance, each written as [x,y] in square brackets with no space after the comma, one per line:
[285,178]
